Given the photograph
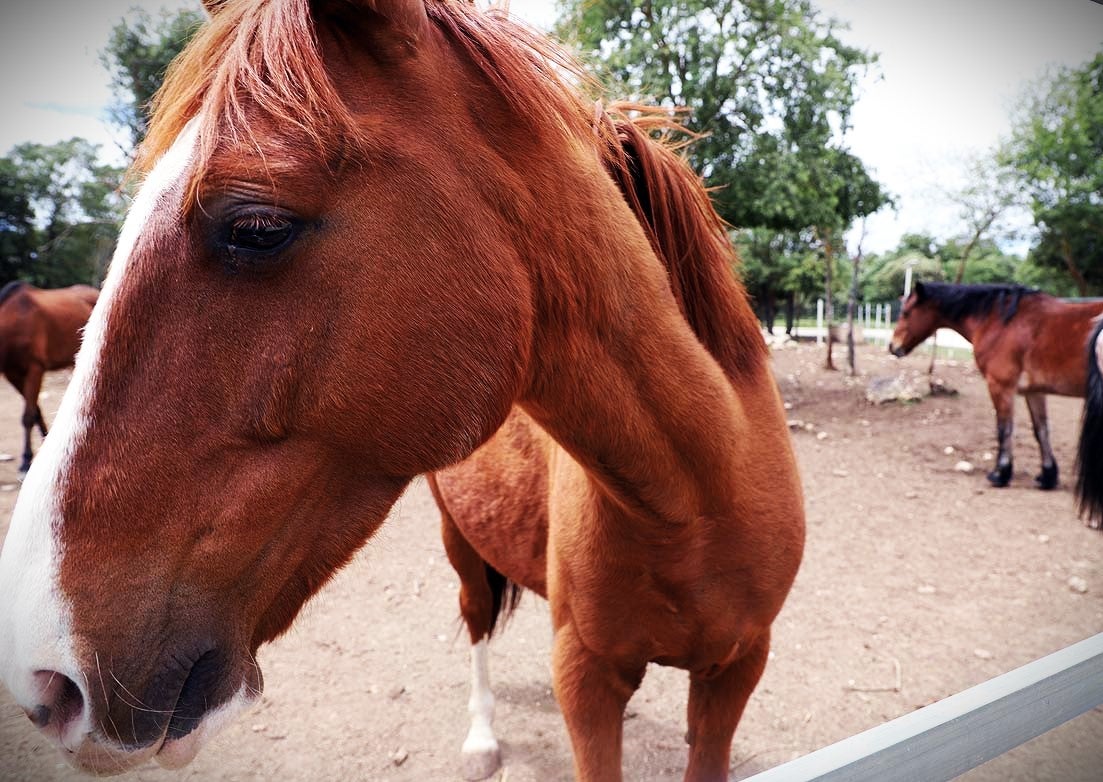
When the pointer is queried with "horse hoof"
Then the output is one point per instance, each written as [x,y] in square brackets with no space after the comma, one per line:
[1047,478]
[481,763]
[999,478]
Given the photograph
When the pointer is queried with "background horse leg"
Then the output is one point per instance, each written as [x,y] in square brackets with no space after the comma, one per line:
[716,702]
[1003,399]
[480,752]
[1036,403]
[32,384]
[592,692]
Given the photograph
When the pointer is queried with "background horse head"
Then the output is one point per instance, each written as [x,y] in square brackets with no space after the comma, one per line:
[367,230]
[935,305]
[39,332]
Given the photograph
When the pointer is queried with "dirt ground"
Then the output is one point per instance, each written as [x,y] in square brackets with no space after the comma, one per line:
[918,581]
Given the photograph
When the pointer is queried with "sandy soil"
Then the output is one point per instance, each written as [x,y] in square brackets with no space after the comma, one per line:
[911,566]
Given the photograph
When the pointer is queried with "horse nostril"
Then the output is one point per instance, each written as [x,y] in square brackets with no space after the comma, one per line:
[39,715]
[60,701]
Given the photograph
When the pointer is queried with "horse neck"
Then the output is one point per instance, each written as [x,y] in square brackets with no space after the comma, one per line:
[618,377]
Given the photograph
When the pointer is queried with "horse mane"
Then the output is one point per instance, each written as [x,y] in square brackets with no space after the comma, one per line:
[268,51]
[671,203]
[9,289]
[956,302]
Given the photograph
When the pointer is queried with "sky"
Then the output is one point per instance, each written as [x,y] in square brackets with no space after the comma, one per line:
[944,90]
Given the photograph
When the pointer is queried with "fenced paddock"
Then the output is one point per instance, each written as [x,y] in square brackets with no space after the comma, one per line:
[947,738]
[911,567]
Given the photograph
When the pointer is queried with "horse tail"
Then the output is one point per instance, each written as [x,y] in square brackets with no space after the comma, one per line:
[1089,461]
[504,594]
[689,237]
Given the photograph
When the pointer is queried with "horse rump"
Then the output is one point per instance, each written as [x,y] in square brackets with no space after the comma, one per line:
[1089,481]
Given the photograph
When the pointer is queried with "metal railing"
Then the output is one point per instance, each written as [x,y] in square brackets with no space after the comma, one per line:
[947,738]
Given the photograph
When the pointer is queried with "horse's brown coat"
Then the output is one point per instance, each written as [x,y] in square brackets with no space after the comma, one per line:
[39,332]
[458,253]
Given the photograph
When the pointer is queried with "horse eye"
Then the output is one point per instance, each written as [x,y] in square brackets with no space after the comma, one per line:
[260,233]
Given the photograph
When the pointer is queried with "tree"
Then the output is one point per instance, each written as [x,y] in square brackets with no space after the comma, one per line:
[990,193]
[137,55]
[1057,152]
[17,230]
[770,86]
[767,81]
[61,212]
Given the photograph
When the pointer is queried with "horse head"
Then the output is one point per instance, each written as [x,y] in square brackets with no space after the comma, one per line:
[317,295]
[919,319]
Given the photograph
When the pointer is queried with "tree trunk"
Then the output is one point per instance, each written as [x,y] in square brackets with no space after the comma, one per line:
[828,308]
[1066,253]
[851,306]
[790,313]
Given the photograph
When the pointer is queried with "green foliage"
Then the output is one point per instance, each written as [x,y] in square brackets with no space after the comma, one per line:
[137,55]
[883,278]
[768,81]
[1057,151]
[59,213]
[17,230]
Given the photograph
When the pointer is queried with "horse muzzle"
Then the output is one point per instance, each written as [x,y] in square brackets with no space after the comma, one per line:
[110,730]
[897,350]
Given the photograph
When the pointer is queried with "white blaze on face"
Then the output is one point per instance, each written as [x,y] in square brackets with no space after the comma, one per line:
[35,617]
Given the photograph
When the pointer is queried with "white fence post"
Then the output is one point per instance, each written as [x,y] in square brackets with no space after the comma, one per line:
[819,321]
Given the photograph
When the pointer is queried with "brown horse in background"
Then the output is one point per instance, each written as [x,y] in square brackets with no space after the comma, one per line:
[39,332]
[1089,462]
[373,232]
[1024,341]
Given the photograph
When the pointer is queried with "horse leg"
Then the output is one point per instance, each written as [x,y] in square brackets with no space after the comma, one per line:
[1036,403]
[592,692]
[716,703]
[32,384]
[480,752]
[1003,399]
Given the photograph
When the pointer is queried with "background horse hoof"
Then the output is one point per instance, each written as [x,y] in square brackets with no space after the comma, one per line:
[481,762]
[1047,478]
[1000,477]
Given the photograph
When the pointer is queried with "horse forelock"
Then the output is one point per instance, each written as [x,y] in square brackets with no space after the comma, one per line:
[266,51]
[264,56]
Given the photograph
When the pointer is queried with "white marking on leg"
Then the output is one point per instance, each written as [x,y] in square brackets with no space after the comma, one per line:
[481,756]
[35,617]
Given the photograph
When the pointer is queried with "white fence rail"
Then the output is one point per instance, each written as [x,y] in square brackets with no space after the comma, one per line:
[947,738]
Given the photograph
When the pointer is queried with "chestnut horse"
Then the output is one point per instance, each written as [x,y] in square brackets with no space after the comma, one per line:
[370,233]
[1089,480]
[1024,341]
[504,485]
[39,332]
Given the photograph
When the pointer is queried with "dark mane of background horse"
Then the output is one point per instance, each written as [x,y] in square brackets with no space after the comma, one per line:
[957,302]
[1089,459]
